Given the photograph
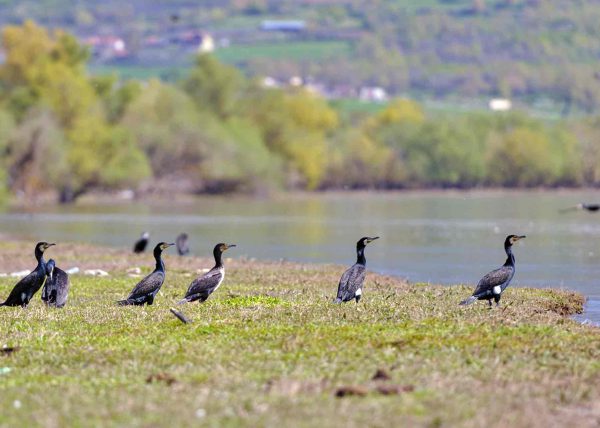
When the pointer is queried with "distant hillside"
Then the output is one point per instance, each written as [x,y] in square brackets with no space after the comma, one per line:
[532,50]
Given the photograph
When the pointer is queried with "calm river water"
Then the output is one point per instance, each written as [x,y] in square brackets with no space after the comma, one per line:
[438,237]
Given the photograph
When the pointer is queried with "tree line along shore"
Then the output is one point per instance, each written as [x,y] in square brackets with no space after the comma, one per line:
[219,131]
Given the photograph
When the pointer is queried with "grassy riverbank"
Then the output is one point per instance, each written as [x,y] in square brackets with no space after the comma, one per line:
[269,348]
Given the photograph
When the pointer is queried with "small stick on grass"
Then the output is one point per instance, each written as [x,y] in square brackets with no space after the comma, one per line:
[180,316]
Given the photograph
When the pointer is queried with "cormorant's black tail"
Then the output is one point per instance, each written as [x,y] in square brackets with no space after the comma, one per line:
[468,301]
[182,301]
[337,300]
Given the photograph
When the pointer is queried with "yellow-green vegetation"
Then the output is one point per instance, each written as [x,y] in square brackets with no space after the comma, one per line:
[270,348]
[217,130]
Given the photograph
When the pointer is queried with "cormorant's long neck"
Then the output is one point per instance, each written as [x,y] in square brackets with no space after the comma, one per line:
[39,256]
[218,258]
[360,256]
[510,260]
[159,263]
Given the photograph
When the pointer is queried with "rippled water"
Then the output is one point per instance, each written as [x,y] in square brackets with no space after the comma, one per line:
[439,237]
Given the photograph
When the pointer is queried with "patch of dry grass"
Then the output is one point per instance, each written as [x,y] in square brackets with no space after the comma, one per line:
[270,349]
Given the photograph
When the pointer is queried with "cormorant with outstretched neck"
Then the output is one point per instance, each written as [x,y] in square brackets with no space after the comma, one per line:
[145,290]
[56,287]
[588,207]
[22,293]
[494,283]
[204,286]
[141,244]
[351,282]
[182,244]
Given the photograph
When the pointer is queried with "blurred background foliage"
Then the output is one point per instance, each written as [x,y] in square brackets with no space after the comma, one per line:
[66,131]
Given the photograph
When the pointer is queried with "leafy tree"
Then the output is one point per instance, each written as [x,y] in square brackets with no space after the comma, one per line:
[358,161]
[214,86]
[49,70]
[294,125]
[521,157]
[35,153]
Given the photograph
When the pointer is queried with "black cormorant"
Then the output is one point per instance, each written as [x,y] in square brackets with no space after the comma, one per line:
[351,282]
[141,244]
[205,285]
[146,289]
[182,244]
[588,207]
[22,293]
[56,287]
[494,283]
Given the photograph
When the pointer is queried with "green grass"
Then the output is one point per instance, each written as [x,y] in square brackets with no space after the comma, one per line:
[270,349]
[285,51]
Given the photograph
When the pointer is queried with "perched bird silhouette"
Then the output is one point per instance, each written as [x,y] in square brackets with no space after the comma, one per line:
[22,293]
[145,290]
[588,207]
[351,282]
[494,283]
[182,244]
[56,287]
[205,285]
[141,244]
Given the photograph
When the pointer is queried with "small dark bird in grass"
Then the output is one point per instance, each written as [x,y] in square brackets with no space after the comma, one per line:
[182,244]
[56,287]
[351,282]
[494,283]
[588,207]
[141,244]
[205,285]
[145,290]
[22,293]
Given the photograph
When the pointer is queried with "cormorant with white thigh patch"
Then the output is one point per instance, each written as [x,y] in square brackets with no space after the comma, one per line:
[208,283]
[494,283]
[351,282]
[145,290]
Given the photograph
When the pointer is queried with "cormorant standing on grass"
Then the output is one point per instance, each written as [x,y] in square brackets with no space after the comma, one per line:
[56,287]
[146,289]
[494,283]
[204,286]
[351,282]
[22,293]
[141,244]
[182,244]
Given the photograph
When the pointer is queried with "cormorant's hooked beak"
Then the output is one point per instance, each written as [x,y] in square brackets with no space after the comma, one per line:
[514,239]
[49,245]
[369,240]
[168,245]
[228,246]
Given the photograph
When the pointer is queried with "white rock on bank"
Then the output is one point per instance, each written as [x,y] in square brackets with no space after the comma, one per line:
[95,272]
[19,273]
